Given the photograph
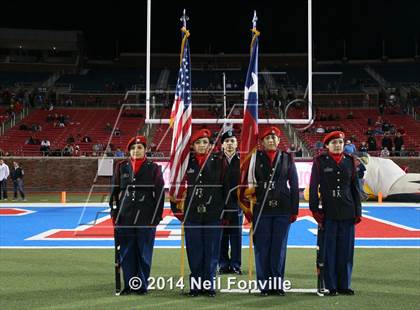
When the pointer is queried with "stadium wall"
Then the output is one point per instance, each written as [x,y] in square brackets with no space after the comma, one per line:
[45,174]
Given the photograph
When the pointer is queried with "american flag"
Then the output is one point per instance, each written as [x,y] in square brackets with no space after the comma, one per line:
[181,122]
[249,137]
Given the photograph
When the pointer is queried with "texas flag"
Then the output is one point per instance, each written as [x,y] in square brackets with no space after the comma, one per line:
[249,137]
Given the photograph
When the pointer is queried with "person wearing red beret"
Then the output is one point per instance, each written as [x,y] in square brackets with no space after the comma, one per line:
[276,207]
[137,199]
[337,209]
[201,212]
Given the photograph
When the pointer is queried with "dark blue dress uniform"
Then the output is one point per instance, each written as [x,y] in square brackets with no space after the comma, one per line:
[233,217]
[139,200]
[339,192]
[203,209]
[277,194]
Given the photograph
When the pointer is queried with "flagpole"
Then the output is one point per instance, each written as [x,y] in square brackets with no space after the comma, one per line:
[149,25]
[250,259]
[251,228]
[184,19]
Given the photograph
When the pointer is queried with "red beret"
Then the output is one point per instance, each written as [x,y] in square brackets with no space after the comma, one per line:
[270,131]
[333,135]
[202,133]
[136,140]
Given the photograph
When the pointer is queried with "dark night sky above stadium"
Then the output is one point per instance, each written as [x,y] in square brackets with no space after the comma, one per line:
[223,26]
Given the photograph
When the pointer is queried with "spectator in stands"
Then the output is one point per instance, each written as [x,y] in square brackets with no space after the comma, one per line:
[108,127]
[349,147]
[30,141]
[97,149]
[109,152]
[76,150]
[372,143]
[119,153]
[298,152]
[369,121]
[86,139]
[379,121]
[386,126]
[49,118]
[318,145]
[117,132]
[381,108]
[401,130]
[369,131]
[68,150]
[403,152]
[36,127]
[386,141]
[292,148]
[398,142]
[45,146]
[363,148]
[384,152]
[70,139]
[350,115]
[23,127]
[68,102]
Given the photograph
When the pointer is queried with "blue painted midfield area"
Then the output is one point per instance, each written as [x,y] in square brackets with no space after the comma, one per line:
[382,226]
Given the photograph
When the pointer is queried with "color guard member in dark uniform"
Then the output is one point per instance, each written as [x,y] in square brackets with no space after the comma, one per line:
[138,194]
[334,175]
[202,212]
[277,206]
[232,216]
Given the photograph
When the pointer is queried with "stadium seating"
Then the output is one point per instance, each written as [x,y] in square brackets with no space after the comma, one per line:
[86,122]
[163,136]
[399,72]
[9,79]
[98,80]
[358,127]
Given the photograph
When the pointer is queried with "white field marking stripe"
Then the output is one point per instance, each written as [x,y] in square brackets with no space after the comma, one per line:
[375,204]
[293,290]
[404,238]
[391,223]
[44,234]
[56,204]
[177,247]
[26,212]
[302,205]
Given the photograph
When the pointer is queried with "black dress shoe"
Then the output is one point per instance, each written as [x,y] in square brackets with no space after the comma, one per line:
[125,291]
[277,292]
[332,292]
[346,291]
[237,270]
[264,293]
[224,270]
[211,293]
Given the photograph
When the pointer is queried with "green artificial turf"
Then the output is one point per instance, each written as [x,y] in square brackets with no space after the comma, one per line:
[84,279]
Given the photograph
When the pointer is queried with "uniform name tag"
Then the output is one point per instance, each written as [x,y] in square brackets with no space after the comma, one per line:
[126,175]
[328,169]
[191,170]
